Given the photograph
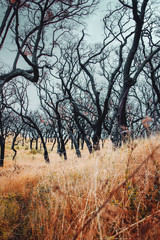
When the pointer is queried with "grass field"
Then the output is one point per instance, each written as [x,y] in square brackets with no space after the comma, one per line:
[110,194]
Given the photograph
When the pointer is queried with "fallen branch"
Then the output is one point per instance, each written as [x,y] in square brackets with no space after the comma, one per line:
[135,224]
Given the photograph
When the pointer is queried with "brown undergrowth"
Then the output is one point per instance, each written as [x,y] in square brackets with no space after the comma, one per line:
[110,194]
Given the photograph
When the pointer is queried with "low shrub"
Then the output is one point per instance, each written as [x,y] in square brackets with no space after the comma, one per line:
[33,151]
[26,147]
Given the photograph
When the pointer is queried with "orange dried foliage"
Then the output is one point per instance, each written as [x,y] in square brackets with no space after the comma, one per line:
[146,121]
[27,52]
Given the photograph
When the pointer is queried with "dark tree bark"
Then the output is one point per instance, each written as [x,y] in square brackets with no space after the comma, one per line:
[54,142]
[37,143]
[82,142]
[31,143]
[2,150]
[13,145]
[71,144]
[75,142]
[2,137]
[128,82]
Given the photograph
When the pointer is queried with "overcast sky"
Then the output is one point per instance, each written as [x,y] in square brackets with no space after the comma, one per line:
[95,21]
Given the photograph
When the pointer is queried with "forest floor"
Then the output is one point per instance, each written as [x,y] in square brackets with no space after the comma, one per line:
[109,194]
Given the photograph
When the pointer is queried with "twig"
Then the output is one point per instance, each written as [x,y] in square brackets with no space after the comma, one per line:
[134,224]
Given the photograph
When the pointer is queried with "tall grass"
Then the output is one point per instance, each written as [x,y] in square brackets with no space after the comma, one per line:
[110,194]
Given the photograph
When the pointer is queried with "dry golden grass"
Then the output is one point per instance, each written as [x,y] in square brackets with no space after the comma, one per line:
[105,195]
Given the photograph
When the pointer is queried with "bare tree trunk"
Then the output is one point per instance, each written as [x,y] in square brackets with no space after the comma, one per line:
[31,143]
[2,150]
[76,145]
[53,144]
[37,143]
[13,145]
[82,142]
[71,143]
[128,82]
